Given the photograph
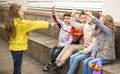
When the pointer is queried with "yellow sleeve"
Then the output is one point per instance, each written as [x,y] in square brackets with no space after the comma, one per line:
[33,25]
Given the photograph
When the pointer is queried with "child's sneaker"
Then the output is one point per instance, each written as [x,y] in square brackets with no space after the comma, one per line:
[47,68]
[56,67]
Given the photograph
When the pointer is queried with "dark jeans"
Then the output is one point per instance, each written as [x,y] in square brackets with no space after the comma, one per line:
[54,53]
[17,59]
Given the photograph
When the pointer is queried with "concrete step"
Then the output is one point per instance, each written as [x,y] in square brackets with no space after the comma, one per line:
[29,66]
[39,49]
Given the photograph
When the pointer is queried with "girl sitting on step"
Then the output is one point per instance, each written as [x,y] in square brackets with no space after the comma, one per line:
[104,49]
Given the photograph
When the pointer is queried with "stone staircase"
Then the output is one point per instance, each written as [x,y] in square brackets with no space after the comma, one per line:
[39,49]
[41,41]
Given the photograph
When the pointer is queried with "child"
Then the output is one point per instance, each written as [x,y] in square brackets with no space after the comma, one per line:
[65,37]
[104,49]
[69,49]
[75,31]
[90,40]
[16,29]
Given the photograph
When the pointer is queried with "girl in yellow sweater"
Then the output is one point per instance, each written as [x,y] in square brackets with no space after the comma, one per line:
[17,29]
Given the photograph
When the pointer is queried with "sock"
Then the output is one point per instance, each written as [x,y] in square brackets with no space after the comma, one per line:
[56,62]
[59,64]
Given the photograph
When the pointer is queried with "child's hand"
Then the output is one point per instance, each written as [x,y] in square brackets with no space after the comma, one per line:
[53,8]
[92,57]
[74,10]
[87,12]
[81,51]
[52,24]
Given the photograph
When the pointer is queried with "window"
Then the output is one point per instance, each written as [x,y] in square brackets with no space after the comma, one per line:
[61,5]
[65,4]
[5,3]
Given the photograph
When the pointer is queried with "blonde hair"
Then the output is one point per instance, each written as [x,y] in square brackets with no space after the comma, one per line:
[108,21]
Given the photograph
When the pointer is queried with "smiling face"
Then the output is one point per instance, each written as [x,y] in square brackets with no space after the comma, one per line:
[83,18]
[66,19]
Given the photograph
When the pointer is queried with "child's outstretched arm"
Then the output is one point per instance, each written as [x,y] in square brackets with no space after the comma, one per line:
[56,18]
[74,10]
[53,9]
[73,22]
[104,28]
[28,25]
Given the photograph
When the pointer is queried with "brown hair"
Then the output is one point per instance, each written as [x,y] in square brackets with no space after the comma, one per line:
[96,14]
[67,14]
[108,21]
[9,25]
[81,13]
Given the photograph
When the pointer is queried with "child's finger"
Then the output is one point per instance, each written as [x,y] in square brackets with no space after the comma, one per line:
[53,7]
[86,11]
[53,24]
[75,9]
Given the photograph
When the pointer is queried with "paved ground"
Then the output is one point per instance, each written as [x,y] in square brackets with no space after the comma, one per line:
[30,66]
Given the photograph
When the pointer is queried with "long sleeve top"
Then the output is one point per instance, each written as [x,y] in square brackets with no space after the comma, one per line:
[65,37]
[19,43]
[105,47]
[88,30]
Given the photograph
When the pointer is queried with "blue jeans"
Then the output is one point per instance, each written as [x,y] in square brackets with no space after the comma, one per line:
[87,69]
[75,59]
[17,59]
[54,53]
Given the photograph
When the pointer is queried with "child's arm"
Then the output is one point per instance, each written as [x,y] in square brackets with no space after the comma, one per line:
[56,18]
[28,25]
[73,21]
[90,47]
[68,41]
[94,51]
[104,28]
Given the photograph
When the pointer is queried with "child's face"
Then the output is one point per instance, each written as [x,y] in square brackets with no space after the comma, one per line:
[89,20]
[83,19]
[21,12]
[66,19]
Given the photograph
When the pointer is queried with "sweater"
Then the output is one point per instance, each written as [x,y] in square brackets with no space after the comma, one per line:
[88,30]
[105,46]
[65,37]
[20,42]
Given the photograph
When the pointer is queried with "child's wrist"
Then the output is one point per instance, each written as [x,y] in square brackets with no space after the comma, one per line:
[52,24]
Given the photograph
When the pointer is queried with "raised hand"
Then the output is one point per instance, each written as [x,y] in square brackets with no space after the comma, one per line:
[74,10]
[53,9]
[53,24]
[88,13]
